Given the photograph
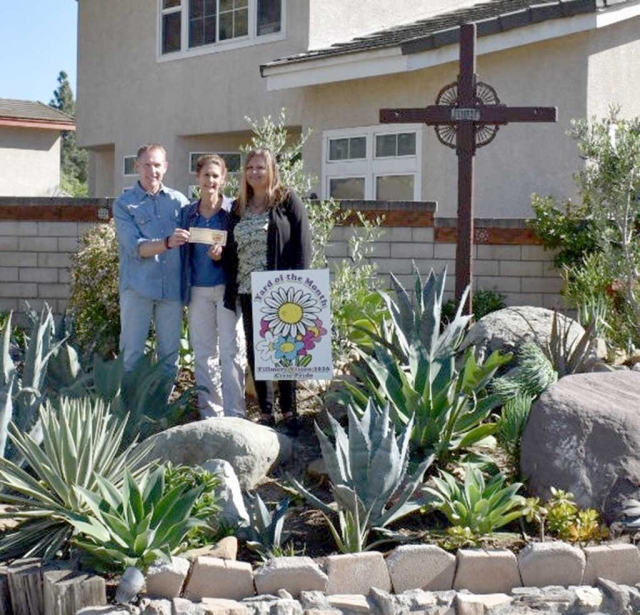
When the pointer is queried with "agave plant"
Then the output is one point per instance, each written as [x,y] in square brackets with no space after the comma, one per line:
[141,395]
[367,468]
[80,439]
[447,407]
[352,533]
[22,395]
[415,370]
[481,506]
[567,356]
[136,524]
[418,322]
[264,532]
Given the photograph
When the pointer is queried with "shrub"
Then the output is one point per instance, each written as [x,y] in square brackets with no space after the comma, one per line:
[94,299]
[484,302]
[568,230]
[608,219]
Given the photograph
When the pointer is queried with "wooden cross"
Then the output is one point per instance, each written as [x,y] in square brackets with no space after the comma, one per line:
[467,115]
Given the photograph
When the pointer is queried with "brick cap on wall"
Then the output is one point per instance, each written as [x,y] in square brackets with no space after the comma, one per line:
[417,214]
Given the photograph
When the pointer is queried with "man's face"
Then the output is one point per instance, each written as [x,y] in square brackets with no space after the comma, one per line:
[151,167]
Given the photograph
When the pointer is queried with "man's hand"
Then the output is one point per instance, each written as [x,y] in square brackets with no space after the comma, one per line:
[179,238]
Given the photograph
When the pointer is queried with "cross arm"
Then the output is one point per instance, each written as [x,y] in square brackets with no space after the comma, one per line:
[501,114]
[433,114]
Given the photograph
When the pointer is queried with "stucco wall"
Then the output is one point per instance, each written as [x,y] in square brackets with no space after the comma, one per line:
[614,46]
[509,169]
[333,21]
[101,171]
[127,97]
[29,161]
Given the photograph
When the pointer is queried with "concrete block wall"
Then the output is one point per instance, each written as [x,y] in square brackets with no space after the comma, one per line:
[39,235]
[37,238]
[508,258]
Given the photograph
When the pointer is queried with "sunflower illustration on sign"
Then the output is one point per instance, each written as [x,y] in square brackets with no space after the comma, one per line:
[292,314]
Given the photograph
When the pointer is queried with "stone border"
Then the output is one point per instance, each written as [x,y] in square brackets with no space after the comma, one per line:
[423,577]
[408,567]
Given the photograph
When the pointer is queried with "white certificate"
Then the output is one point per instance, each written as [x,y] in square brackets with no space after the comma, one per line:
[208,236]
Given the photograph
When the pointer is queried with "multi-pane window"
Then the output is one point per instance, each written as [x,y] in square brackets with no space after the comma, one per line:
[348,148]
[191,24]
[129,165]
[171,26]
[379,163]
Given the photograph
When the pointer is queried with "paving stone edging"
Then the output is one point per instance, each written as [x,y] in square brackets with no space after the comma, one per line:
[425,576]
[421,578]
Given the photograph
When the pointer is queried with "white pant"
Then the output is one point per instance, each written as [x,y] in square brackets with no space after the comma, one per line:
[217,339]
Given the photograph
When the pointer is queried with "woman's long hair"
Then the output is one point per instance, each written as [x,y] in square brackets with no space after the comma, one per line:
[276,192]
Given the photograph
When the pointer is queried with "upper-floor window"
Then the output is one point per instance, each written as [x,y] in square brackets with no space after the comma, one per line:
[192,24]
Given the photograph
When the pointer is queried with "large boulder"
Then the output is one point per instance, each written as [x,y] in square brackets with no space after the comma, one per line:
[583,436]
[251,449]
[507,329]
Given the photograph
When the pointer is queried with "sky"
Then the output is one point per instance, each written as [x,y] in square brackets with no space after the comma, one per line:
[37,40]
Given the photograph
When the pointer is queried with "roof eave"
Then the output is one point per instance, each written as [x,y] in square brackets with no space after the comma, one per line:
[543,22]
[34,123]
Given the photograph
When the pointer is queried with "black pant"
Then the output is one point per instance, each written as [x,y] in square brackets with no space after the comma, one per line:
[264,388]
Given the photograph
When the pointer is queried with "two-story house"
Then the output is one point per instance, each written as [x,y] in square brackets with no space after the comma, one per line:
[188,72]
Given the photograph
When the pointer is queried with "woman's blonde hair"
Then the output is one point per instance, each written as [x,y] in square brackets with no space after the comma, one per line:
[276,192]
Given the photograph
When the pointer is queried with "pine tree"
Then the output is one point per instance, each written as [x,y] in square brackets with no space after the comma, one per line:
[73,161]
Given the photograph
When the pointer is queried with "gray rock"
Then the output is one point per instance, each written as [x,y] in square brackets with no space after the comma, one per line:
[507,329]
[155,607]
[131,584]
[233,512]
[253,450]
[583,436]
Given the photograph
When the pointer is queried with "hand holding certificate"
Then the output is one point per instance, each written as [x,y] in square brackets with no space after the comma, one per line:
[208,236]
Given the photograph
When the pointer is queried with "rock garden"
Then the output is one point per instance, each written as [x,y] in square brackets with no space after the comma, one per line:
[456,464]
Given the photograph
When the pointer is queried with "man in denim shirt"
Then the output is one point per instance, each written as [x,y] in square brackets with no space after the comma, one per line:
[147,218]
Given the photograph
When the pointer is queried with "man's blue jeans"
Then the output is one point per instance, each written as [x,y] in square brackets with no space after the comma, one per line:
[136,314]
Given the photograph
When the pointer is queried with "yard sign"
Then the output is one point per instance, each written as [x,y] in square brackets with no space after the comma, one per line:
[292,325]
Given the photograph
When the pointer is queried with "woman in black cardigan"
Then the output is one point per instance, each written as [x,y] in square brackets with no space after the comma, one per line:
[270,232]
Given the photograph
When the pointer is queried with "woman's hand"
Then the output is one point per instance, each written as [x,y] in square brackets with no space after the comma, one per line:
[215,252]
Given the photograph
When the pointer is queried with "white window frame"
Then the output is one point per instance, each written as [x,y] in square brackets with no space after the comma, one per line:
[232,43]
[124,166]
[371,167]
